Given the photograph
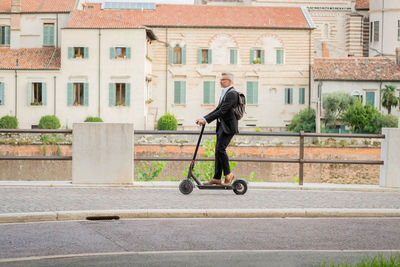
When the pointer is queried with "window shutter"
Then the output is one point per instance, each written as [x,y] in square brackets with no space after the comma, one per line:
[44,94]
[51,35]
[302,95]
[262,56]
[111,94]
[177,92]
[279,56]
[7,36]
[249,92]
[128,94]
[45,35]
[291,95]
[183,92]
[209,56]
[286,95]
[1,94]
[370,97]
[206,93]
[128,52]
[255,92]
[199,56]
[212,92]
[252,55]
[70,52]
[184,55]
[29,98]
[233,57]
[86,52]
[170,59]
[85,94]
[70,94]
[112,52]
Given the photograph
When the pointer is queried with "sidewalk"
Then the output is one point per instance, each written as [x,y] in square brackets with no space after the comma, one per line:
[57,201]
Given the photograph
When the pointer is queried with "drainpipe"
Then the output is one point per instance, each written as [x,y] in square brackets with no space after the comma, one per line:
[16,91]
[57,30]
[383,21]
[380,95]
[309,70]
[55,95]
[166,71]
[98,112]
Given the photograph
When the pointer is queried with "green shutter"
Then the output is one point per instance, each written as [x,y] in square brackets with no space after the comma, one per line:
[48,35]
[199,56]
[370,98]
[85,94]
[70,52]
[86,52]
[184,55]
[262,56]
[291,95]
[212,92]
[209,59]
[44,94]
[51,35]
[249,93]
[7,36]
[128,52]
[128,95]
[29,92]
[252,56]
[70,94]
[183,92]
[233,56]
[170,55]
[112,53]
[279,56]
[302,95]
[111,94]
[1,94]
[286,95]
[206,92]
[177,92]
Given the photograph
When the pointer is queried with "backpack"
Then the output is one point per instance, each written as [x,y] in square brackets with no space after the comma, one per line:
[240,109]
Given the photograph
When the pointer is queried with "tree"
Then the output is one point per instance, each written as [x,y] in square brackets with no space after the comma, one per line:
[334,105]
[389,98]
[362,119]
[303,121]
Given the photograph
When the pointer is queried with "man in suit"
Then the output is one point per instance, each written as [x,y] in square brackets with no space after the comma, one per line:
[227,127]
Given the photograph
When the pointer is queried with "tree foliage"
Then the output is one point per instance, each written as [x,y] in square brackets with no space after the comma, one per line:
[334,105]
[303,121]
[389,98]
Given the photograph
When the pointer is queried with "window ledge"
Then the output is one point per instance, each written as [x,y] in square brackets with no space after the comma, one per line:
[179,105]
[208,105]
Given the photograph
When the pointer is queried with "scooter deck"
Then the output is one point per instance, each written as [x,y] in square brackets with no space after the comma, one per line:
[215,187]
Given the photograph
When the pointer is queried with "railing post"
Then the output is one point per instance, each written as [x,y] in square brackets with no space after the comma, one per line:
[301,157]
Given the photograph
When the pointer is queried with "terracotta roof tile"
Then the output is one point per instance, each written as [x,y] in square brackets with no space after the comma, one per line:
[30,58]
[362,4]
[40,5]
[356,68]
[211,16]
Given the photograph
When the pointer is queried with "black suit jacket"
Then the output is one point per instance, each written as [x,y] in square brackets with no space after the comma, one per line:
[224,113]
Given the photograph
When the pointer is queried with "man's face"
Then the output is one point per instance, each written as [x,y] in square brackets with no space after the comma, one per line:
[225,81]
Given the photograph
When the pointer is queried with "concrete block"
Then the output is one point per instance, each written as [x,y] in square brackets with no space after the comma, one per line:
[390,154]
[102,153]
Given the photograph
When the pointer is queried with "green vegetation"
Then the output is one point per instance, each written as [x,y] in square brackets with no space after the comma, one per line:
[167,122]
[49,122]
[389,98]
[303,121]
[93,119]
[375,261]
[150,170]
[334,105]
[8,122]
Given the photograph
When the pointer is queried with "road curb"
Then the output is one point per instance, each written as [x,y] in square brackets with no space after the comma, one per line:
[194,213]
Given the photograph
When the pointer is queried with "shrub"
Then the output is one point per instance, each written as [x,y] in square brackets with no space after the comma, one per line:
[93,119]
[362,119]
[389,121]
[303,121]
[167,122]
[8,122]
[49,122]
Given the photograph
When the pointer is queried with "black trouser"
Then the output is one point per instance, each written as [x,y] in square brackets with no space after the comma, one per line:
[221,158]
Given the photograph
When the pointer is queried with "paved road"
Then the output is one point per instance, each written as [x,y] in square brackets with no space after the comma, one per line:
[246,239]
[41,199]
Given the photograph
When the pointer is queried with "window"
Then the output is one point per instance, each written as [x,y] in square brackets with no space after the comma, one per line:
[48,34]
[302,93]
[371,30]
[252,93]
[120,53]
[4,35]
[78,52]
[37,94]
[177,54]
[358,96]
[1,93]
[256,56]
[233,56]
[376,31]
[78,94]
[370,98]
[209,92]
[120,94]
[179,92]
[279,56]
[204,56]
[288,96]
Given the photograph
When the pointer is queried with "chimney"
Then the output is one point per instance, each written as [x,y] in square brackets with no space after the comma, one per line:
[15,6]
[398,55]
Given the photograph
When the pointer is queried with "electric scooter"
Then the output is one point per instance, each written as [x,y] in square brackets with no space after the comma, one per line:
[239,186]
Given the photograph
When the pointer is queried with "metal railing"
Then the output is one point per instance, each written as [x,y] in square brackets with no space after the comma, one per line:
[300,160]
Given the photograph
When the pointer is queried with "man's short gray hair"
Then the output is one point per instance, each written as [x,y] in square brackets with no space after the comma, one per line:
[229,75]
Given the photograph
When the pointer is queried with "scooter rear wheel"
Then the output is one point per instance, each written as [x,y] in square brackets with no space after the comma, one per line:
[186,187]
[239,187]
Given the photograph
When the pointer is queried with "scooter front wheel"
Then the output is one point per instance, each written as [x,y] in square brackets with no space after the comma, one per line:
[239,187]
[186,187]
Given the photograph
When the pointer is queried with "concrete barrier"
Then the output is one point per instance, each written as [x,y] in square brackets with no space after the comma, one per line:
[390,154]
[102,153]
